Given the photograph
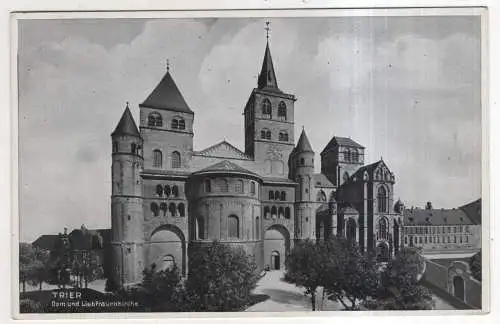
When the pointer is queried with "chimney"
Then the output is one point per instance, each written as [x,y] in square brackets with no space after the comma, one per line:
[428,205]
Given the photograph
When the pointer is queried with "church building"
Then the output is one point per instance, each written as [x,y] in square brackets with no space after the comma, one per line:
[167,197]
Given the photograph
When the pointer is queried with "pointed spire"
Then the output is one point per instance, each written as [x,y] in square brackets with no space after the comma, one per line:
[167,96]
[126,125]
[267,77]
[303,144]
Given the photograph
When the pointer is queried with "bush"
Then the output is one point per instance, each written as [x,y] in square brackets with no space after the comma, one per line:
[30,306]
[475,266]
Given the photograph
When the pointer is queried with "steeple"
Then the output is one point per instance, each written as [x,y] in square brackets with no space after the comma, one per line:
[303,144]
[267,77]
[126,125]
[166,96]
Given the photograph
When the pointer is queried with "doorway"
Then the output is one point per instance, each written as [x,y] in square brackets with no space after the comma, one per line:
[275,260]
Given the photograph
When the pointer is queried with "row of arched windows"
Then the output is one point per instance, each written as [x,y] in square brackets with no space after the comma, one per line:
[134,148]
[276,195]
[167,191]
[222,185]
[267,109]
[351,155]
[155,120]
[436,229]
[233,227]
[173,209]
[277,212]
[266,134]
[175,159]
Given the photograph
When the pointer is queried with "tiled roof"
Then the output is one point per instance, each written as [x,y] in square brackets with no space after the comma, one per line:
[341,141]
[166,96]
[418,216]
[126,125]
[473,210]
[303,144]
[320,180]
[267,77]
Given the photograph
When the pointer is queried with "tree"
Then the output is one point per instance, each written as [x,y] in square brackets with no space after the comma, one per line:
[221,278]
[33,265]
[400,288]
[475,266]
[158,287]
[306,266]
[350,277]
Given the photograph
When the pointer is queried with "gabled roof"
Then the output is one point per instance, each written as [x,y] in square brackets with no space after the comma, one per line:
[167,96]
[341,141]
[225,167]
[223,150]
[473,210]
[320,180]
[267,77]
[418,216]
[370,168]
[126,125]
[303,144]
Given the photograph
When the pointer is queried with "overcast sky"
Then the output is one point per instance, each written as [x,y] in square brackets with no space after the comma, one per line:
[407,88]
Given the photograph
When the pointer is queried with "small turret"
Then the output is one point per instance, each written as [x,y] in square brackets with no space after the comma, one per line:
[399,207]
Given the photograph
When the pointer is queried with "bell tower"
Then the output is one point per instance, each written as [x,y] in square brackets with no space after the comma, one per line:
[269,121]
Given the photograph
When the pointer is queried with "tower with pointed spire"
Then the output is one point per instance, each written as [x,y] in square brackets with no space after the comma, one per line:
[302,172]
[127,200]
[269,121]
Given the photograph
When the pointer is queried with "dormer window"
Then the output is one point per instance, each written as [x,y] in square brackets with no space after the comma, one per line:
[155,120]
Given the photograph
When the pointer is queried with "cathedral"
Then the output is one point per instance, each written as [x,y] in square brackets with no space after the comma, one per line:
[167,197]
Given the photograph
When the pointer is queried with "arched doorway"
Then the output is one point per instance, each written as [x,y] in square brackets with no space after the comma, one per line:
[275,260]
[459,287]
[350,229]
[167,247]
[383,253]
[276,247]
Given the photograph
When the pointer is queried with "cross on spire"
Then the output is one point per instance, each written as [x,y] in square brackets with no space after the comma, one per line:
[267,30]
[127,103]
[168,65]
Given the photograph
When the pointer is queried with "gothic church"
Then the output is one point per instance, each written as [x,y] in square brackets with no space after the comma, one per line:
[167,197]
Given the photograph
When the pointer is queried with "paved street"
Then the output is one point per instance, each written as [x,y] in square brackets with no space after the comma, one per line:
[288,297]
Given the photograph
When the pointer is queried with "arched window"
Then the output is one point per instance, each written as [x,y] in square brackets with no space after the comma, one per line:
[175,123]
[233,226]
[283,196]
[157,159]
[302,161]
[257,227]
[282,110]
[208,185]
[266,108]
[321,196]
[133,148]
[115,146]
[239,186]
[271,195]
[200,228]
[383,229]
[266,212]
[167,190]
[155,120]
[283,136]
[263,134]
[172,209]
[163,208]
[273,212]
[176,160]
[222,185]
[181,209]
[252,188]
[382,200]
[281,212]
[159,190]
[175,191]
[268,135]
[355,155]
[350,230]
[182,124]
[154,208]
[277,195]
[287,212]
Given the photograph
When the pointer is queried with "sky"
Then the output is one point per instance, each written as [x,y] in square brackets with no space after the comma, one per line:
[406,88]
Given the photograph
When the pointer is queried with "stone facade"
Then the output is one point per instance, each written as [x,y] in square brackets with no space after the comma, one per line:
[166,196]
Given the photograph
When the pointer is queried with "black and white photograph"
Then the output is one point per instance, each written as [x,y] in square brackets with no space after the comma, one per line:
[261,162]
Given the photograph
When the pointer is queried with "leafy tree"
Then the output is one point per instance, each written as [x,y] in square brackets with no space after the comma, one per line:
[158,287]
[306,266]
[33,265]
[400,288]
[475,266]
[220,278]
[350,277]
